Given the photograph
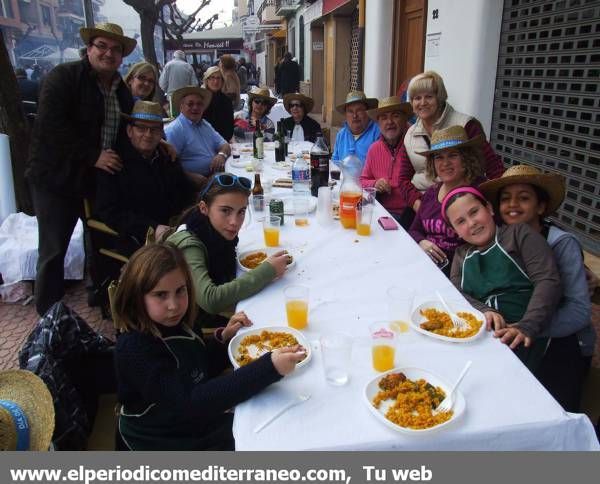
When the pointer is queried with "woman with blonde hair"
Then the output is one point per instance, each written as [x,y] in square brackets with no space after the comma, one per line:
[141,79]
[231,86]
[219,112]
[428,96]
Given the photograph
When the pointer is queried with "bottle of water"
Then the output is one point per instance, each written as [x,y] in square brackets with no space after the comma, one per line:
[301,177]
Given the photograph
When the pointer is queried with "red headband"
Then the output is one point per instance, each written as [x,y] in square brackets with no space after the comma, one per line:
[456,191]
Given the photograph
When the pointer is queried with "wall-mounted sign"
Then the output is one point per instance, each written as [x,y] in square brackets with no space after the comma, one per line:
[208,44]
[433,44]
[317,45]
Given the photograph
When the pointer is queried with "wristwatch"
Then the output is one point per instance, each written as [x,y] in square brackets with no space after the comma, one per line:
[224,155]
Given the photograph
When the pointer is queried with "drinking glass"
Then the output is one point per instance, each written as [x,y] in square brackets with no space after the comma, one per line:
[383,345]
[400,302]
[301,206]
[296,306]
[271,228]
[336,351]
[364,216]
[258,206]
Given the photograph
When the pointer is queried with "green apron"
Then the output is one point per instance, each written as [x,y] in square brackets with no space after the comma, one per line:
[493,277]
[160,427]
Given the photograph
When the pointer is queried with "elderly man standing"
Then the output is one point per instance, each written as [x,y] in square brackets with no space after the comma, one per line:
[176,74]
[382,167]
[76,130]
[201,149]
[149,190]
[359,131]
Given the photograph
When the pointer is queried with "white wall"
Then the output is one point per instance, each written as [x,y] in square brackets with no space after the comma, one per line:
[466,54]
[260,62]
[379,18]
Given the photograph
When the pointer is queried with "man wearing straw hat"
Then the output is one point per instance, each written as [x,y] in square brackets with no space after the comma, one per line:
[75,134]
[149,190]
[382,169]
[359,132]
[201,149]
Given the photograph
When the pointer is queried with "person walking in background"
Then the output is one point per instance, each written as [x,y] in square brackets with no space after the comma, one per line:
[231,86]
[176,74]
[242,73]
[289,75]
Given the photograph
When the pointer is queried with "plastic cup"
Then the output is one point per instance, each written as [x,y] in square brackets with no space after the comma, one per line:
[296,306]
[383,346]
[271,228]
[324,213]
[258,206]
[368,195]
[400,304]
[364,217]
[267,185]
[301,206]
[336,352]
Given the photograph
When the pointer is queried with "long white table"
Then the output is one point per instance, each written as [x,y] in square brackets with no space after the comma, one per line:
[506,407]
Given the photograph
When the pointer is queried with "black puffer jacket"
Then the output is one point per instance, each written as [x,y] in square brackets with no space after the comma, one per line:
[66,136]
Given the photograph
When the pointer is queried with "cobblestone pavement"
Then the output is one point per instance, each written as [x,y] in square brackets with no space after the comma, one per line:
[17,321]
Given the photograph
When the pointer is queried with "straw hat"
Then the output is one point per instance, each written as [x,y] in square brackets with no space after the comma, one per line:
[551,183]
[306,101]
[112,31]
[210,71]
[26,412]
[182,92]
[146,111]
[261,93]
[452,137]
[356,97]
[389,105]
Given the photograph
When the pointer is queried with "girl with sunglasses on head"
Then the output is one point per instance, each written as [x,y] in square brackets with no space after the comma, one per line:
[508,273]
[525,195]
[170,382]
[208,238]
[260,103]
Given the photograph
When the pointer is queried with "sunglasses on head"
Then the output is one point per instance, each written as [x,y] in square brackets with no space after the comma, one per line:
[227,180]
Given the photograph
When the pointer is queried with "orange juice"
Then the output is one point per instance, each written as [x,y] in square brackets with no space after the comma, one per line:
[297,314]
[301,222]
[383,357]
[363,229]
[271,236]
[348,202]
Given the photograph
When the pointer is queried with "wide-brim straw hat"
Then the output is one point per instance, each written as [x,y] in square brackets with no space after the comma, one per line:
[146,111]
[390,105]
[306,101]
[210,71]
[28,395]
[261,93]
[182,92]
[112,31]
[551,183]
[357,97]
[452,137]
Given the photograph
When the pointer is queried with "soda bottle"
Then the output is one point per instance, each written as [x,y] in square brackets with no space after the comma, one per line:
[300,177]
[350,190]
[319,165]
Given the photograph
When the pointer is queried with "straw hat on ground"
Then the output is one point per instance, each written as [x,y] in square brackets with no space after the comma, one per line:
[389,105]
[551,183]
[112,31]
[146,111]
[26,412]
[452,137]
[182,92]
[357,97]
[306,101]
[261,93]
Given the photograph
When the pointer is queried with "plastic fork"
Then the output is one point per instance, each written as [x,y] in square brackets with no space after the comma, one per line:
[447,403]
[299,399]
[457,321]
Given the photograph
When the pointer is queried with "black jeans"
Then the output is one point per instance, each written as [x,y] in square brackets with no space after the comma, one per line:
[56,217]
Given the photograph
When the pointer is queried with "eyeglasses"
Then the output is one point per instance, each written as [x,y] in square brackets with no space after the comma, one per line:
[260,101]
[147,129]
[147,80]
[227,180]
[295,105]
[214,78]
[103,48]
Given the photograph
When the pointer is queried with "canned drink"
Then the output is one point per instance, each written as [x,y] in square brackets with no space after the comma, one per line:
[276,208]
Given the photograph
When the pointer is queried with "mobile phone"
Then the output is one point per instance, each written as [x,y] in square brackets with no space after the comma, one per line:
[387,223]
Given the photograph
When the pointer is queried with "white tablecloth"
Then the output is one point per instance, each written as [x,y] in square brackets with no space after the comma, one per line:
[507,409]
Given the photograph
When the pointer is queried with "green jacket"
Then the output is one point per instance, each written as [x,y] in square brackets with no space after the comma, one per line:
[212,298]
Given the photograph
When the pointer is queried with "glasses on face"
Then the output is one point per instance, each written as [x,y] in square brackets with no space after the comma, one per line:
[260,101]
[215,78]
[146,80]
[227,180]
[295,105]
[154,130]
[103,48]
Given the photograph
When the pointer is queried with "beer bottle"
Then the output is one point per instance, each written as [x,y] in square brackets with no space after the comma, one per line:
[257,193]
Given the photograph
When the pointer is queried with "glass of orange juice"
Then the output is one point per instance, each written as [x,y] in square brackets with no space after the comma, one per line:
[383,345]
[364,216]
[296,306]
[271,228]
